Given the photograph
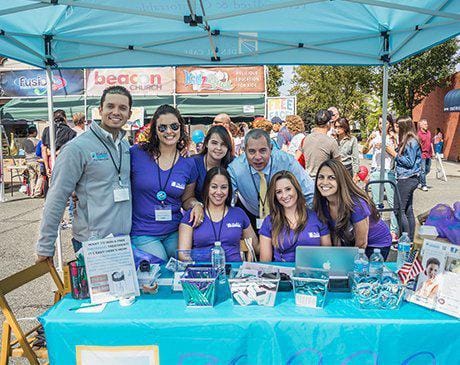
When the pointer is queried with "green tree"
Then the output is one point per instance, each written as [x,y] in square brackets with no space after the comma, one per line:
[348,88]
[275,80]
[413,79]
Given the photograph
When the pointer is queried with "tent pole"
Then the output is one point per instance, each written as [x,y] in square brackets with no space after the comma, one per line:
[2,172]
[52,136]
[384,129]
[85,96]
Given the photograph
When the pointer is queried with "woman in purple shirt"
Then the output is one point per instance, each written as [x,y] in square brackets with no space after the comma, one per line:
[290,223]
[162,183]
[221,221]
[350,213]
[217,151]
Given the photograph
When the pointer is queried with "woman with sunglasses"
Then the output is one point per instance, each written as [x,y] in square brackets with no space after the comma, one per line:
[222,222]
[348,147]
[217,152]
[290,223]
[162,183]
[351,215]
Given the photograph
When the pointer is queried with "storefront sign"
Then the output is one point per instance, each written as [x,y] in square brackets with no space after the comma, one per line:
[33,83]
[281,107]
[139,81]
[209,80]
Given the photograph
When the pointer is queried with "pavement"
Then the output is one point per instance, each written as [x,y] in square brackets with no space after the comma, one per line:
[20,219]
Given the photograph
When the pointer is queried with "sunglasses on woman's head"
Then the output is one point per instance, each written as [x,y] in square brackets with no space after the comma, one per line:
[164,127]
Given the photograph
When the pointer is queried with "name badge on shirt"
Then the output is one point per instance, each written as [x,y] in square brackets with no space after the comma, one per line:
[163,213]
[259,222]
[120,194]
[313,234]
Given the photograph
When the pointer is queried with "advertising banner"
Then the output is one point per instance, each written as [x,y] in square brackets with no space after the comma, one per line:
[33,83]
[139,81]
[210,80]
[281,107]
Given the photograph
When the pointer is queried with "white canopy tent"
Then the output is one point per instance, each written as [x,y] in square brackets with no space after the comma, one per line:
[118,33]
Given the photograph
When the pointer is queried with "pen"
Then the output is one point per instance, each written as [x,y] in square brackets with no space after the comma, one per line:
[86,306]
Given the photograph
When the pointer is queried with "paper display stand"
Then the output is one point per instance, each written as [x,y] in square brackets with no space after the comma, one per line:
[110,269]
[438,286]
[440,172]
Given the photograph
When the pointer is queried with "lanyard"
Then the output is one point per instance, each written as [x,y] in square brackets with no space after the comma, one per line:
[255,185]
[161,194]
[118,168]
[217,237]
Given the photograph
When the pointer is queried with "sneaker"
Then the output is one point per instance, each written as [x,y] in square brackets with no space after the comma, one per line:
[419,186]
[394,246]
[425,188]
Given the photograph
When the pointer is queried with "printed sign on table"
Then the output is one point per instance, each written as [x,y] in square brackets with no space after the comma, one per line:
[139,81]
[110,269]
[33,83]
[212,80]
[118,355]
[281,107]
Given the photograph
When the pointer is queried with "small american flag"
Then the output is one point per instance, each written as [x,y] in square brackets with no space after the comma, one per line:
[411,267]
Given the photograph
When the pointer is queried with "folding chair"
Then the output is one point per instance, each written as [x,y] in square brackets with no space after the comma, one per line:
[23,346]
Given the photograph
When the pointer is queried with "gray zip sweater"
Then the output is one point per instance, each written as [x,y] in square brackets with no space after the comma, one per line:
[84,166]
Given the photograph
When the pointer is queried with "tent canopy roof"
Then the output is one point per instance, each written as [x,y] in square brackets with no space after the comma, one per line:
[138,33]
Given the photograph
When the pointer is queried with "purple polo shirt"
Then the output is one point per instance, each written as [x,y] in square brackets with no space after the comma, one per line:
[233,224]
[145,184]
[379,233]
[201,171]
[310,236]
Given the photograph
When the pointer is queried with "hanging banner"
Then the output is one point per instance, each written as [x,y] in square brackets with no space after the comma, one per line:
[281,107]
[133,124]
[211,80]
[139,81]
[33,83]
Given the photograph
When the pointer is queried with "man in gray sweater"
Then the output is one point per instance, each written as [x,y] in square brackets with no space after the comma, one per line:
[96,166]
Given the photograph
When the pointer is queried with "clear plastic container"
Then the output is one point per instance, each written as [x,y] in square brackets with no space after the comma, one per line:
[199,286]
[310,287]
[250,290]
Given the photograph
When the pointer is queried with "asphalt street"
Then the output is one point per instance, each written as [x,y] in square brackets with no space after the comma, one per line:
[20,220]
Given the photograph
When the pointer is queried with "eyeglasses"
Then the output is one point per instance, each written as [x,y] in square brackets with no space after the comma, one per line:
[164,127]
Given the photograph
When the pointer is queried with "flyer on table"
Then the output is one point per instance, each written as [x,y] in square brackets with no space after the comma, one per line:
[110,269]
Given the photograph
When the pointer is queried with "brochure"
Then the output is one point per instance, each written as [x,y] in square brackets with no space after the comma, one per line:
[110,269]
[438,286]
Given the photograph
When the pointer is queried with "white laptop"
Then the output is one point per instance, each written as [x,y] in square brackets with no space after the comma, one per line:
[338,260]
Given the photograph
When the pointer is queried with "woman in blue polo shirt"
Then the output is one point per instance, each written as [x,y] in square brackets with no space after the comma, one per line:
[217,152]
[162,183]
[222,222]
[351,215]
[290,223]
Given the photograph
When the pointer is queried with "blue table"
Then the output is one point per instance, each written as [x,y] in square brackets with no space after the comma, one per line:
[284,334]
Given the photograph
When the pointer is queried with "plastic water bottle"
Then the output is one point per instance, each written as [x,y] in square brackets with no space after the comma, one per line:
[361,264]
[376,263]
[218,260]
[404,244]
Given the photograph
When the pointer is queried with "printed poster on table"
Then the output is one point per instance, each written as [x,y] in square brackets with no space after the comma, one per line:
[438,286]
[118,355]
[110,269]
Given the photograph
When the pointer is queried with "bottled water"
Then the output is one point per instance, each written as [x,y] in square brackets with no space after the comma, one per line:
[376,263]
[361,264]
[218,260]
[403,249]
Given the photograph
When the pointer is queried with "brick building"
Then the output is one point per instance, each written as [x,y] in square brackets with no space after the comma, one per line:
[432,109]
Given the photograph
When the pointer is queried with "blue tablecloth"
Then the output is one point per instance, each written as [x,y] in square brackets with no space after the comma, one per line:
[285,334]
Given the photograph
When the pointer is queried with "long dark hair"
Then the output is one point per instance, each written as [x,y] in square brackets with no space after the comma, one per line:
[207,183]
[347,195]
[343,122]
[59,116]
[406,132]
[222,132]
[277,214]
[153,144]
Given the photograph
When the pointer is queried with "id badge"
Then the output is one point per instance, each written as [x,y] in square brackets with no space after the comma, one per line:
[259,222]
[120,194]
[163,213]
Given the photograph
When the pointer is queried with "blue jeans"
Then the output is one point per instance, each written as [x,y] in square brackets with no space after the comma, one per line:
[163,247]
[424,170]
[389,190]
